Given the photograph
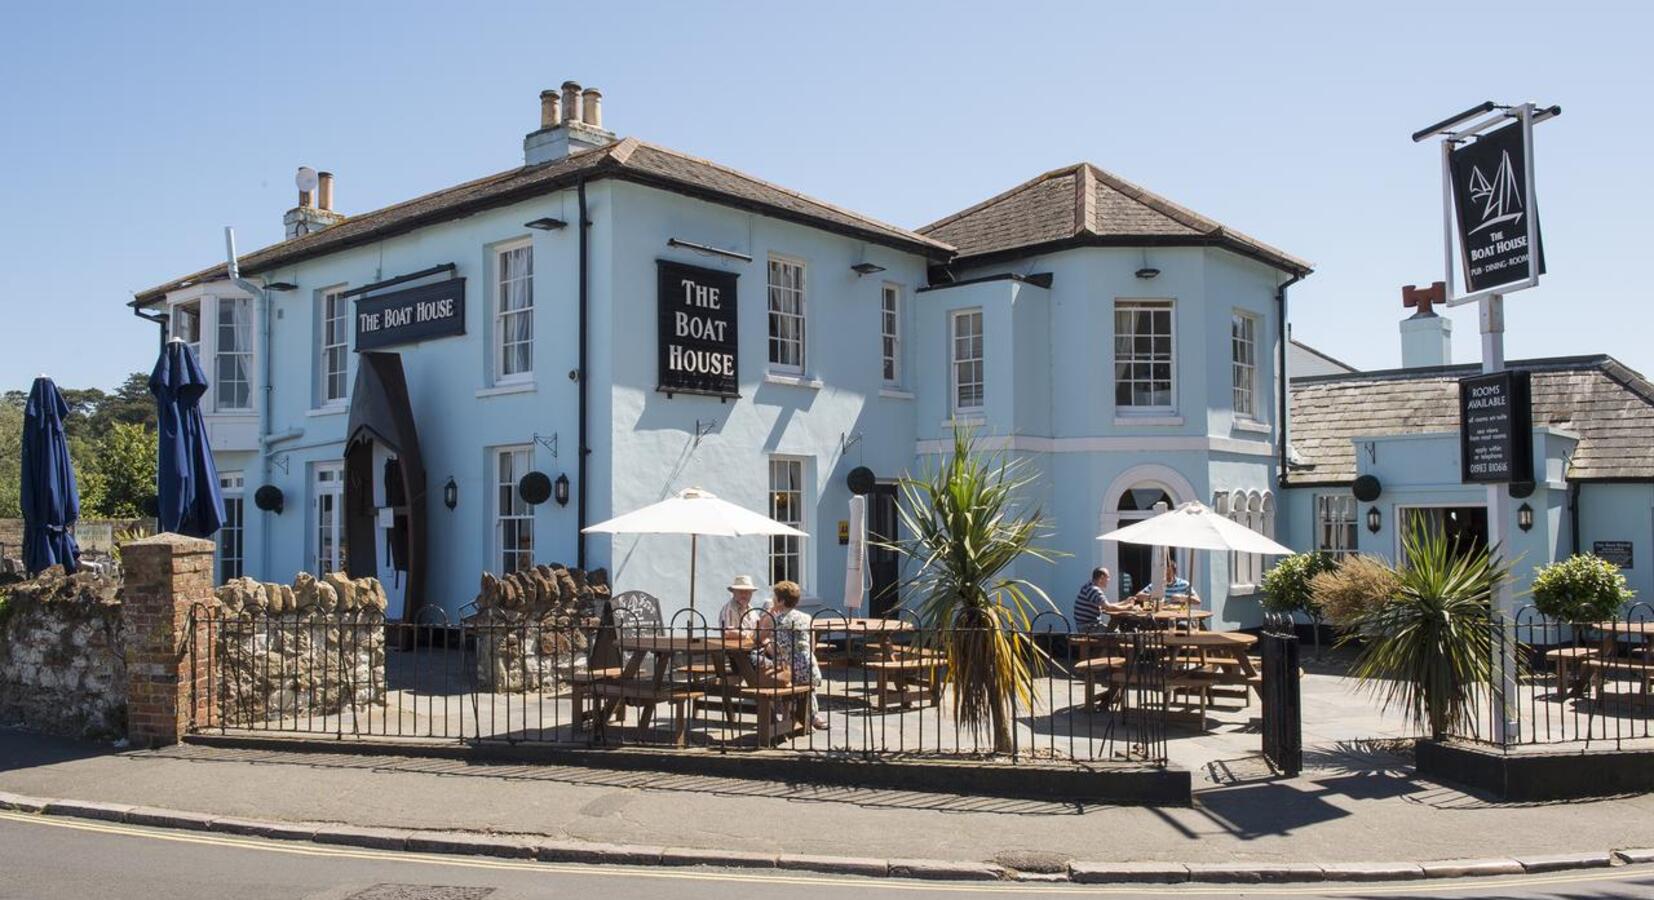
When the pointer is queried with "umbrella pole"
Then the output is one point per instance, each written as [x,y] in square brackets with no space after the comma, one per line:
[692,554]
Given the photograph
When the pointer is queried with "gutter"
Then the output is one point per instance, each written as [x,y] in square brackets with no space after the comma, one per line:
[1283,409]
[261,300]
[584,448]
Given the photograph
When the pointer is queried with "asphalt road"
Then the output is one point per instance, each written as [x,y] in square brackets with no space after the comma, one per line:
[48,859]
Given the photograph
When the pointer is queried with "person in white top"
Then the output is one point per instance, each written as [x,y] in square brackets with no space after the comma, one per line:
[739,618]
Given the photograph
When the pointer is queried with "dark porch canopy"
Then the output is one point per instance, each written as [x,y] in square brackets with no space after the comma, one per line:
[380,414]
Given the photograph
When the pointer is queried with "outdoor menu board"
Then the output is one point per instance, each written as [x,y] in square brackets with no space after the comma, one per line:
[1495,428]
[697,336]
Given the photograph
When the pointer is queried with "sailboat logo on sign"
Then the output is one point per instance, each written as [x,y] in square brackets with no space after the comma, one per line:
[1501,200]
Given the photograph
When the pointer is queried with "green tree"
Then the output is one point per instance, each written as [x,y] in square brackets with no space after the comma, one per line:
[126,462]
[968,534]
[1581,588]
[11,457]
[131,403]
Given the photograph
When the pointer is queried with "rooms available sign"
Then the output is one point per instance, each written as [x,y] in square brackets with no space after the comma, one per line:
[697,331]
[415,314]
[1495,428]
[1490,191]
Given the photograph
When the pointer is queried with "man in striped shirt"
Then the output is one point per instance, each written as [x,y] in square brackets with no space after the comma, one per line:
[1089,605]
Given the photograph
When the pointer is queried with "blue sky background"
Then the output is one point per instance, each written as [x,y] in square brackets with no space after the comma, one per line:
[134,132]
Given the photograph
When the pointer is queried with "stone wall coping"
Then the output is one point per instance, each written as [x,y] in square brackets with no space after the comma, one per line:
[180,543]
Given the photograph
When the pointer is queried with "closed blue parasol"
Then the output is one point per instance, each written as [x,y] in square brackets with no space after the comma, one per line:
[186,479]
[51,504]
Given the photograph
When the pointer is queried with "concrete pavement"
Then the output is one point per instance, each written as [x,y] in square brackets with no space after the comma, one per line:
[1357,804]
[56,859]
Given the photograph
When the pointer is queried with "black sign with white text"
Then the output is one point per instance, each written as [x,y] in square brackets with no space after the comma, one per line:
[1495,428]
[1616,552]
[1490,192]
[415,314]
[698,346]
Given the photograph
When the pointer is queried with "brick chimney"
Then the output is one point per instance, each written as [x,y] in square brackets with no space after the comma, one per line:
[1426,338]
[570,121]
[308,218]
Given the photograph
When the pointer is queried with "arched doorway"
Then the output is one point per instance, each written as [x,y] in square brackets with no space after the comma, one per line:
[1132,498]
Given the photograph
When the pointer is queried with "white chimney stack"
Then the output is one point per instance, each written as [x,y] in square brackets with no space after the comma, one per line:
[1426,338]
[308,217]
[571,120]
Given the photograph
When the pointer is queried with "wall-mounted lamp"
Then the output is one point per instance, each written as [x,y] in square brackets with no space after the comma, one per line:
[560,490]
[450,494]
[1375,519]
[1524,517]
[281,286]
[1147,272]
[866,268]
[546,224]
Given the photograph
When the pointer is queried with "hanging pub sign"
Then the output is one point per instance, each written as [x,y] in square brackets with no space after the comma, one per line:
[414,314]
[1495,428]
[1490,192]
[697,335]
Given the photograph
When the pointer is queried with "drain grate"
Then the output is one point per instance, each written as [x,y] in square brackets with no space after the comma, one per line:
[421,892]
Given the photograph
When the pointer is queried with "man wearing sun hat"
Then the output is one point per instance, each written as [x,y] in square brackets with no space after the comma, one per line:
[739,618]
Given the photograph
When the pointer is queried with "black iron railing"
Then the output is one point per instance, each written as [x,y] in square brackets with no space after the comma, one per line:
[826,683]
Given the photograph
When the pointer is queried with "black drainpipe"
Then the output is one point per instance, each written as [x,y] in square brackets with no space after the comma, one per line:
[580,503]
[157,318]
[1282,410]
[1573,513]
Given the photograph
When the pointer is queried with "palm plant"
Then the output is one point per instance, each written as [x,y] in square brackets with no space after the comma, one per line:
[967,531]
[1430,647]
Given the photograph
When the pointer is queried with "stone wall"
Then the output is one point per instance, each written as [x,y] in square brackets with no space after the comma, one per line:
[308,649]
[62,656]
[11,533]
[528,625]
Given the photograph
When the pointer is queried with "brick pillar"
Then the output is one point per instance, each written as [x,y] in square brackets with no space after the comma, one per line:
[166,576]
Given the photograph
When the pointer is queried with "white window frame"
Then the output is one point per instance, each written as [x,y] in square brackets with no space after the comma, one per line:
[232,485]
[332,307]
[776,316]
[1337,523]
[327,507]
[890,334]
[1136,305]
[501,315]
[176,329]
[787,554]
[1243,373]
[221,355]
[1253,510]
[508,505]
[956,363]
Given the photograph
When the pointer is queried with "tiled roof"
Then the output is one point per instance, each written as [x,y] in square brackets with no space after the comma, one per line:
[1082,204]
[1610,407]
[629,159]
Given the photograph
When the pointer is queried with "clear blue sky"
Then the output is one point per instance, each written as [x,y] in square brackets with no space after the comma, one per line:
[134,132]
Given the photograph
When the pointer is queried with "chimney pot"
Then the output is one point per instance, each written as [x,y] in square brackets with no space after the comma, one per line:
[324,190]
[550,112]
[592,103]
[304,199]
[571,101]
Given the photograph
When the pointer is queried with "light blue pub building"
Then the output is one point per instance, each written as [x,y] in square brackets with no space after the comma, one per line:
[618,321]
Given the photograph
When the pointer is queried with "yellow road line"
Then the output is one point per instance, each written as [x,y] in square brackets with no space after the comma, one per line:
[304,848]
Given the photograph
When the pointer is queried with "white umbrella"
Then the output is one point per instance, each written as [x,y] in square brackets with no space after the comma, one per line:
[694,512]
[1193,525]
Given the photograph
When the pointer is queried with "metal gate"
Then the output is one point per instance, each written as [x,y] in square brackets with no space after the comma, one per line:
[1283,720]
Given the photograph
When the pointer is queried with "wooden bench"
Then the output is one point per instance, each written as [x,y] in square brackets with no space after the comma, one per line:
[640,692]
[1566,658]
[792,700]
[1596,670]
[1094,669]
[906,680]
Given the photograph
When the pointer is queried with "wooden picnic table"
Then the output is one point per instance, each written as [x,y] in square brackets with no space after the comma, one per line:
[1162,616]
[1592,668]
[614,688]
[902,675]
[1201,662]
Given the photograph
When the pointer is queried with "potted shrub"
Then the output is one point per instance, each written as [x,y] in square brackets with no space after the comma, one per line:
[1430,648]
[1286,587]
[1353,589]
[968,529]
[1580,589]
